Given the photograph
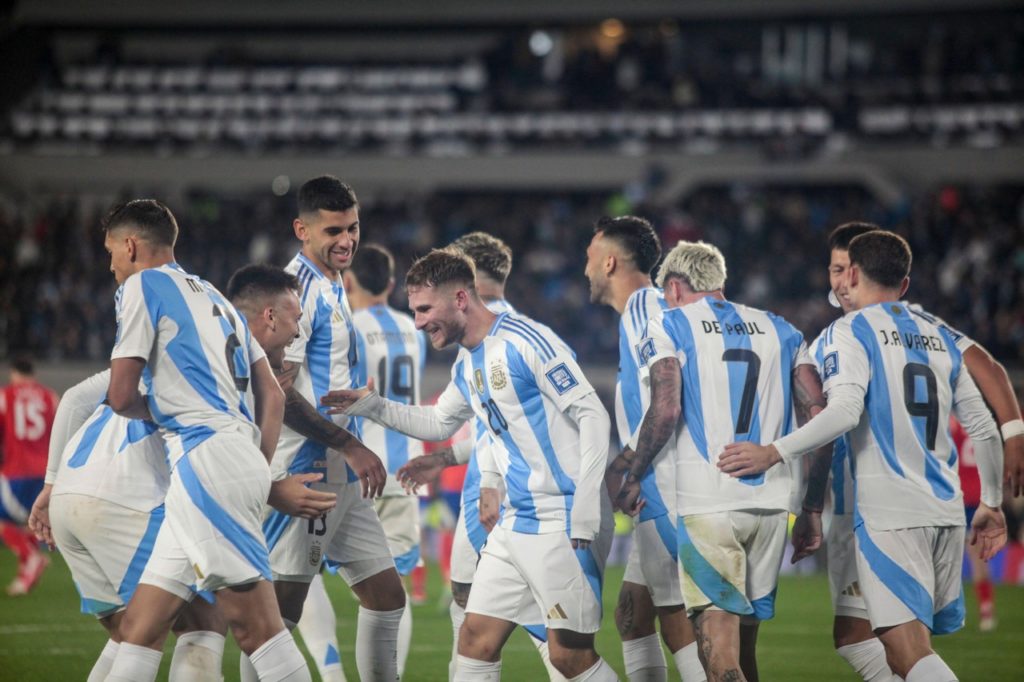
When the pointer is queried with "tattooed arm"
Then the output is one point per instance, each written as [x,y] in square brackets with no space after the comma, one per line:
[655,430]
[808,401]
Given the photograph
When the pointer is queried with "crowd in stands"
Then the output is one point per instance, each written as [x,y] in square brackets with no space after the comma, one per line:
[56,294]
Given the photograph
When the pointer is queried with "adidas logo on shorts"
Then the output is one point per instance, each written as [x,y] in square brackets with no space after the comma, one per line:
[556,612]
[852,591]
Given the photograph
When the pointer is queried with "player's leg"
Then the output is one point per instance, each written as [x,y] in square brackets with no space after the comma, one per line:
[634,619]
[399,516]
[462,569]
[480,642]
[982,582]
[319,629]
[718,639]
[852,636]
[199,650]
[16,498]
[748,648]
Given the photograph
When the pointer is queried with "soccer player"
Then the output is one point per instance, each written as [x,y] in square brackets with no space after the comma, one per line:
[492,259]
[892,377]
[550,440]
[735,369]
[26,417]
[970,486]
[620,258]
[212,392]
[326,356]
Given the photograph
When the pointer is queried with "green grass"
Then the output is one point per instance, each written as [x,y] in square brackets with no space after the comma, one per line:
[44,637]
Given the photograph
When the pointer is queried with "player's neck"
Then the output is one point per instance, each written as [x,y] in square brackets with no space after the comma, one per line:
[328,272]
[478,324]
[153,259]
[489,290]
[360,299]
[872,295]
[625,287]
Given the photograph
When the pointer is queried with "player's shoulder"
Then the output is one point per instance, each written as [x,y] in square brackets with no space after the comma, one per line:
[642,305]
[529,336]
[311,280]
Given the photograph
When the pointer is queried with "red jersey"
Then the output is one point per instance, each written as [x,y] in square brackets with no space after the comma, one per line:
[26,419]
[970,483]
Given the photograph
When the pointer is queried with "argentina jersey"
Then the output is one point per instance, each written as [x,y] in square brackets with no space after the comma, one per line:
[328,354]
[841,481]
[904,459]
[198,352]
[737,366]
[633,395]
[395,353]
[519,381]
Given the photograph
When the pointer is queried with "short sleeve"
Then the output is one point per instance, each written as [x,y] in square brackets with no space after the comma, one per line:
[256,352]
[558,376]
[803,356]
[296,350]
[136,323]
[657,343]
[844,358]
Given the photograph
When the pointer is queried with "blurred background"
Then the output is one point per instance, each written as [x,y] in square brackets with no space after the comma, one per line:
[758,126]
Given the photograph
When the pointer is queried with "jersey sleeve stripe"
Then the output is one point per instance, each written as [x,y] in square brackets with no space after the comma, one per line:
[877,399]
[532,328]
[531,338]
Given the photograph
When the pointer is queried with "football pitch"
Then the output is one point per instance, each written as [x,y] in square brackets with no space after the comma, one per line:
[44,637]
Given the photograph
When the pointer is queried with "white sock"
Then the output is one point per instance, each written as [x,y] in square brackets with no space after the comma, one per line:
[867,658]
[319,629]
[599,672]
[197,657]
[404,635]
[471,670]
[246,673]
[688,664]
[134,663]
[545,655]
[377,644]
[644,660]
[279,660]
[102,665]
[458,615]
[931,669]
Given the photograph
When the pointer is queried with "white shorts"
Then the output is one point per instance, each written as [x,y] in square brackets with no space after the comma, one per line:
[843,582]
[730,561]
[465,552]
[912,574]
[634,571]
[519,573]
[655,540]
[211,535]
[349,537]
[105,545]
[400,518]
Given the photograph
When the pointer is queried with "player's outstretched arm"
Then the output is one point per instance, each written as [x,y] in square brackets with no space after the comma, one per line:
[292,496]
[303,418]
[269,400]
[123,394]
[594,427]
[994,384]
[425,469]
[988,531]
[656,428]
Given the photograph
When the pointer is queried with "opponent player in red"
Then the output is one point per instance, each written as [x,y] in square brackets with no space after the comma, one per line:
[26,417]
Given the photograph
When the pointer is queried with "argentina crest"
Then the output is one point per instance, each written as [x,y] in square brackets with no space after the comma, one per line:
[499,379]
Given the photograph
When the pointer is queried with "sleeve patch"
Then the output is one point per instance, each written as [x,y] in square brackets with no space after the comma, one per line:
[830,365]
[561,378]
[645,351]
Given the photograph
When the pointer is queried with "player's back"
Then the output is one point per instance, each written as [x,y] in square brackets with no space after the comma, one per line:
[26,417]
[737,366]
[394,354]
[904,460]
[198,351]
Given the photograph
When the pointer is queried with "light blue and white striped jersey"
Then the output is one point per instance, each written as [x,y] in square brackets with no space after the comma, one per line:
[737,372]
[109,456]
[904,460]
[633,395]
[519,381]
[198,352]
[329,358]
[395,352]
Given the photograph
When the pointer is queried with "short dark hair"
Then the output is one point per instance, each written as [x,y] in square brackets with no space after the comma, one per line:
[153,220]
[636,236]
[326,192]
[440,267]
[883,256]
[489,254]
[23,365]
[374,267]
[250,286]
[841,237]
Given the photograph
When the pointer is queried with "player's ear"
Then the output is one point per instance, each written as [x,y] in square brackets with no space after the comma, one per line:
[300,228]
[610,263]
[269,319]
[904,285]
[852,276]
[132,247]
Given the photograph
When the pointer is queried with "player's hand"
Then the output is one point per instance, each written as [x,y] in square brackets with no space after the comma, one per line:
[39,517]
[490,504]
[367,466]
[615,472]
[628,499]
[807,535]
[420,471]
[578,543]
[1013,464]
[293,497]
[988,531]
[339,401]
[747,459]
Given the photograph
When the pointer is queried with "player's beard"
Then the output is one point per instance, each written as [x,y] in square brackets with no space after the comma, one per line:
[450,332]
[597,291]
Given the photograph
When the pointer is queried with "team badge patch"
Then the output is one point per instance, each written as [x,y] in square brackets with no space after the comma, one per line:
[498,378]
[478,380]
[561,378]
[645,351]
[830,366]
[315,554]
